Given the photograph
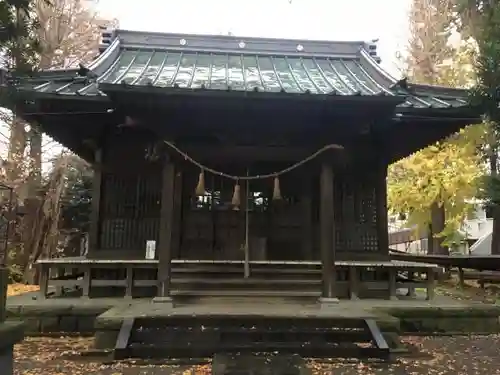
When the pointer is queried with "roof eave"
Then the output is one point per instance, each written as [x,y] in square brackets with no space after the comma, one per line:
[460,113]
[111,88]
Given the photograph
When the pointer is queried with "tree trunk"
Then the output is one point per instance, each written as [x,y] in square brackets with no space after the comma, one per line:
[17,145]
[33,202]
[495,236]
[35,158]
[438,222]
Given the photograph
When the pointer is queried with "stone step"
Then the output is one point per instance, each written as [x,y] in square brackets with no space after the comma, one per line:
[180,336]
[240,292]
[258,364]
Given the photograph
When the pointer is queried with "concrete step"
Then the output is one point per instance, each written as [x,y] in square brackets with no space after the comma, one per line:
[158,337]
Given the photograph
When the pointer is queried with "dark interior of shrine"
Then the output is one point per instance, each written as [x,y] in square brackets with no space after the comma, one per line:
[209,226]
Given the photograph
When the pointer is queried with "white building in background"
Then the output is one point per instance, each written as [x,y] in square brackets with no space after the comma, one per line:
[477,230]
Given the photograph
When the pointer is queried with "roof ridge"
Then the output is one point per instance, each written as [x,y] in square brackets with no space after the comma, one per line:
[227,43]
[127,32]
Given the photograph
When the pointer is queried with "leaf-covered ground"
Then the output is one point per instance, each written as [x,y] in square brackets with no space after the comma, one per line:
[430,356]
[62,356]
[470,292]
[16,289]
[459,355]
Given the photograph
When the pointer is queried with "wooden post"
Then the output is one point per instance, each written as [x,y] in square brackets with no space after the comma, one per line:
[177,222]
[129,279]
[413,275]
[327,235]
[392,284]
[44,281]
[307,228]
[87,281]
[353,283]
[165,238]
[431,272]
[96,204]
[461,278]
[382,219]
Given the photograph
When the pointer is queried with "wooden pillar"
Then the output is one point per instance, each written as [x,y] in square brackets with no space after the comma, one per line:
[382,219]
[354,283]
[392,283]
[165,238]
[240,252]
[307,225]
[327,235]
[44,280]
[95,221]
[177,222]
[430,283]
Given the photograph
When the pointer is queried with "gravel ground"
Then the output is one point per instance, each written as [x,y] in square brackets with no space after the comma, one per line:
[458,355]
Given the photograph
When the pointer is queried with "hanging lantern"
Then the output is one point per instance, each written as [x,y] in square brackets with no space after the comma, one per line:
[200,187]
[236,201]
[276,189]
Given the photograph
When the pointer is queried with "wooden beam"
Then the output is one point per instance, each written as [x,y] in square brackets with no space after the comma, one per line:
[166,229]
[123,338]
[327,232]
[95,221]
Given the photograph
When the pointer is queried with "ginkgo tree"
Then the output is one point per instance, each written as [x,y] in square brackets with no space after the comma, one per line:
[433,186]
[445,174]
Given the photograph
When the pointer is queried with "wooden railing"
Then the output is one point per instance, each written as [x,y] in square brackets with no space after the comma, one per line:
[354,279]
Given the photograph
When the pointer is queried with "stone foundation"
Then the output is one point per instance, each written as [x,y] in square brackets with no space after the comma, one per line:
[103,317]
[57,321]
[479,319]
[56,316]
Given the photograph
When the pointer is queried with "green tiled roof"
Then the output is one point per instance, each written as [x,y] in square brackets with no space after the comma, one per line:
[195,62]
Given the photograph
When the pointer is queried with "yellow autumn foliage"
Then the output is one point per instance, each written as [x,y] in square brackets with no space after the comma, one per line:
[446,172]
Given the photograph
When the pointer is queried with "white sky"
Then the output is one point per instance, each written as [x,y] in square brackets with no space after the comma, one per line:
[386,20]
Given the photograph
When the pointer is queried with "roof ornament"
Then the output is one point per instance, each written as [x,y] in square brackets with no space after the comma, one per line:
[401,84]
[83,71]
[183,42]
[242,44]
[300,47]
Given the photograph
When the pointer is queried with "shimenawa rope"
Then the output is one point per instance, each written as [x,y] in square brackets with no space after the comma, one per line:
[255,177]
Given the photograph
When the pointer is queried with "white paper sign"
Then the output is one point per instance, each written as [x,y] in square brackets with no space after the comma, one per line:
[150,249]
